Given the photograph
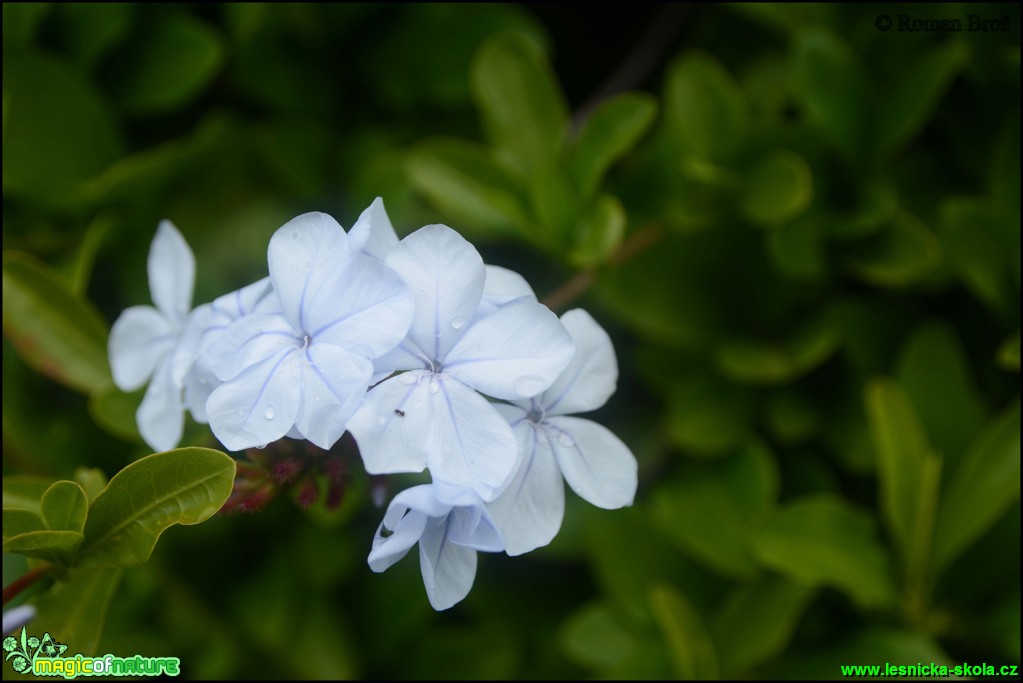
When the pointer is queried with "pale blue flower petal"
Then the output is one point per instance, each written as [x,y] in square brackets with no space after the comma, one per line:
[596,464]
[373,233]
[199,384]
[589,380]
[405,533]
[446,276]
[448,569]
[473,527]
[391,424]
[161,416]
[306,257]
[186,347]
[368,312]
[503,286]
[530,509]
[514,353]
[171,267]
[334,382]
[405,356]
[248,341]
[140,338]
[17,618]
[259,405]
[242,301]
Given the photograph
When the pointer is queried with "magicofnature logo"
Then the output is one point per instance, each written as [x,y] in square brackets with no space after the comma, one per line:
[45,657]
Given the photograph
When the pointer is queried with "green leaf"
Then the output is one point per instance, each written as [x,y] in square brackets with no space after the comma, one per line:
[58,131]
[523,108]
[797,249]
[704,108]
[25,492]
[758,362]
[709,512]
[934,372]
[691,649]
[970,230]
[464,181]
[909,473]
[92,480]
[21,21]
[58,547]
[981,489]
[757,622]
[18,521]
[64,507]
[75,611]
[555,203]
[167,64]
[777,189]
[822,539]
[608,134]
[55,332]
[183,486]
[599,232]
[1008,353]
[792,417]
[706,416]
[903,254]
[833,89]
[91,30]
[593,638]
[915,95]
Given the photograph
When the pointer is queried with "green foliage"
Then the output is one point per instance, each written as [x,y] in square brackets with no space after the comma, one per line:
[802,234]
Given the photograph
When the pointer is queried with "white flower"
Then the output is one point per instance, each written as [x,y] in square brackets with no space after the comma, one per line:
[308,364]
[373,233]
[147,342]
[594,462]
[450,524]
[431,415]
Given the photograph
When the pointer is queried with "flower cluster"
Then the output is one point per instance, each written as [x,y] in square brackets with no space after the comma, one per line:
[431,359]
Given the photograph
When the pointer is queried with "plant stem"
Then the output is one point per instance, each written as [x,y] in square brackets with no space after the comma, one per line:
[25,580]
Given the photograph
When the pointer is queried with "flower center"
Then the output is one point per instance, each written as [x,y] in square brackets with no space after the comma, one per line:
[537,413]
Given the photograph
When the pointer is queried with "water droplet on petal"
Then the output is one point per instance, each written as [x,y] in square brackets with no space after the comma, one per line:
[458,322]
[529,385]
[407,378]
[565,440]
[269,413]
[294,234]
[261,446]
[434,385]
[241,413]
[317,398]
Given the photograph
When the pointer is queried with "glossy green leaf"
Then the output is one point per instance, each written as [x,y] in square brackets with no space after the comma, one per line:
[55,332]
[909,472]
[19,521]
[593,638]
[823,540]
[915,94]
[58,131]
[183,486]
[757,622]
[25,492]
[58,547]
[982,487]
[92,480]
[167,64]
[1008,353]
[706,416]
[608,134]
[935,374]
[704,108]
[757,362]
[75,611]
[464,181]
[690,647]
[901,255]
[832,87]
[777,189]
[64,507]
[599,232]
[969,229]
[521,103]
[555,202]
[710,512]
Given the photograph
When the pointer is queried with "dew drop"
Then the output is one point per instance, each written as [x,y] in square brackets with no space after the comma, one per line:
[317,398]
[565,440]
[529,385]
[261,446]
[269,413]
[458,322]
[434,385]
[407,378]
[241,413]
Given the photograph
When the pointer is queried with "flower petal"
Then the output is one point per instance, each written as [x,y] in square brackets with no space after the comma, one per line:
[306,257]
[161,416]
[589,380]
[503,286]
[334,382]
[595,462]
[258,406]
[473,527]
[373,233]
[140,338]
[389,426]
[446,275]
[369,312]
[200,381]
[405,533]
[530,510]
[242,301]
[448,569]
[250,340]
[171,268]
[515,352]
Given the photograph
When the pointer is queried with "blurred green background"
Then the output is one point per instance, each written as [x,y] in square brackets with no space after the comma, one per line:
[801,231]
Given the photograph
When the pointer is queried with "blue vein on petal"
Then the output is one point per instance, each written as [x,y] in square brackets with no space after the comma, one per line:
[349,316]
[323,379]
[571,384]
[454,423]
[266,382]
